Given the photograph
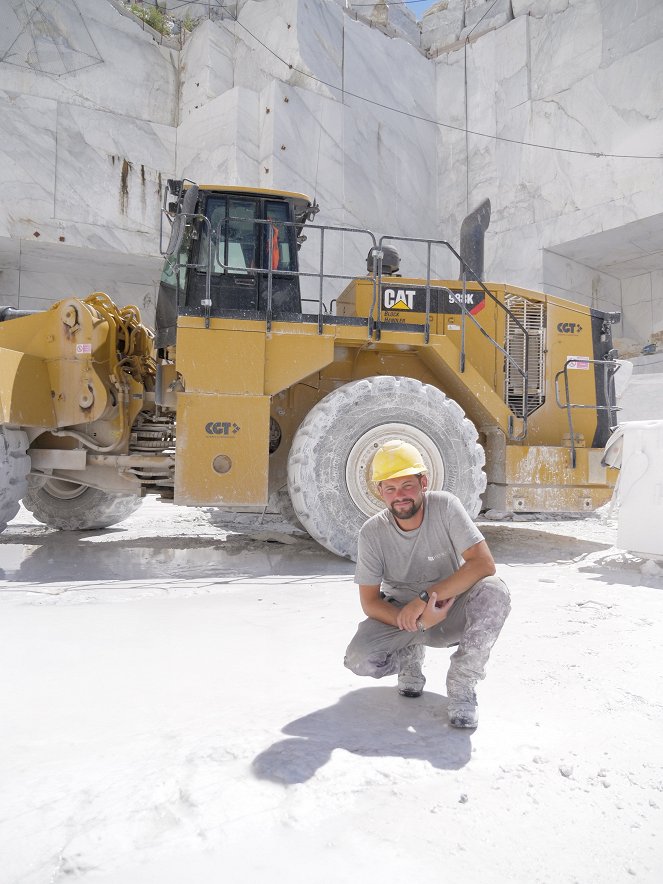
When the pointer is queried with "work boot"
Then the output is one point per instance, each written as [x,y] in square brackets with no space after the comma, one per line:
[463,710]
[486,610]
[411,679]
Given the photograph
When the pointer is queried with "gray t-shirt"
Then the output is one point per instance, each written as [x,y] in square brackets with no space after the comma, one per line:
[405,562]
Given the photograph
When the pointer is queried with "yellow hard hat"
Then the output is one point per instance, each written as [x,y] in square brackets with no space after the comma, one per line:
[395,459]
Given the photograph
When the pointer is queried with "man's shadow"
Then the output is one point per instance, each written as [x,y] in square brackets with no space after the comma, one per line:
[372,722]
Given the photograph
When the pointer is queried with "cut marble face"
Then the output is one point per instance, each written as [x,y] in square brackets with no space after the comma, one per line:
[343,102]
[47,39]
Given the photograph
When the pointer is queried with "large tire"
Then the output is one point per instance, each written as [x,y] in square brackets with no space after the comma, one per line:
[72,507]
[331,454]
[14,470]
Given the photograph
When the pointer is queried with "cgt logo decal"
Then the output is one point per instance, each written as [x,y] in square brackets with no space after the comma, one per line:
[568,328]
[221,428]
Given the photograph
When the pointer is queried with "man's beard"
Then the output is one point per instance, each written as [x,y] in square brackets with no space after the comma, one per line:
[406,512]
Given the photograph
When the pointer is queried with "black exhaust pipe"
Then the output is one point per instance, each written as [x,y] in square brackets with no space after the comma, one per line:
[472,232]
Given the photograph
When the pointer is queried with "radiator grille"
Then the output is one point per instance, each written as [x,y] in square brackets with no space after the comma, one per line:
[532,315]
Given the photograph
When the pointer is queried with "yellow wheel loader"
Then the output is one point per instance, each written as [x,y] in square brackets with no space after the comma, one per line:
[270,384]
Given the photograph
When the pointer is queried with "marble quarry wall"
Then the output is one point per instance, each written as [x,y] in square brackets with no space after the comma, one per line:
[551,108]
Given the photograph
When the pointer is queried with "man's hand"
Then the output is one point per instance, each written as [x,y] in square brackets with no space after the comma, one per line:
[435,612]
[409,614]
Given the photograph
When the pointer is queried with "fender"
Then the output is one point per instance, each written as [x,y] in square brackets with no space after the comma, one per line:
[25,390]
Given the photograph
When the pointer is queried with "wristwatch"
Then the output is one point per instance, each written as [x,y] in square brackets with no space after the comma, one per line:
[423,595]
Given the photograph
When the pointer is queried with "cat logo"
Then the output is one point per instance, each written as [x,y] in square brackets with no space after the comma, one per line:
[398,299]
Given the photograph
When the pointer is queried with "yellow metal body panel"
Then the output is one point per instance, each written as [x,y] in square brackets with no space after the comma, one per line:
[551,499]
[547,465]
[230,372]
[25,390]
[234,429]
[82,368]
[291,357]
[73,341]
[542,479]
[225,358]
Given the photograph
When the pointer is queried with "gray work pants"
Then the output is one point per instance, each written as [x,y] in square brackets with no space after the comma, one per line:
[473,623]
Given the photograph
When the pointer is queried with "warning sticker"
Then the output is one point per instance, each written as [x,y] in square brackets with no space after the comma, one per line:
[581,362]
[83,348]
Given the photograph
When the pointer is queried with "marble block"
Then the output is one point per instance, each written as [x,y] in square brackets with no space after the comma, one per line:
[305,45]
[539,8]
[10,263]
[395,18]
[569,279]
[564,49]
[119,169]
[28,152]
[219,143]
[370,62]
[87,53]
[626,28]
[441,25]
[206,66]
[511,65]
[485,17]
[313,164]
[642,298]
[51,271]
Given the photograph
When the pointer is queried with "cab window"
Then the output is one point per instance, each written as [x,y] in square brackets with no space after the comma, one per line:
[281,237]
[241,242]
[234,235]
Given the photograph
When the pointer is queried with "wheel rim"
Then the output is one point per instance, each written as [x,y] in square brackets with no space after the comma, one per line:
[362,490]
[63,490]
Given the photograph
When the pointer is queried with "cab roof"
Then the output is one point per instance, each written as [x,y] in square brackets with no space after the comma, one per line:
[300,201]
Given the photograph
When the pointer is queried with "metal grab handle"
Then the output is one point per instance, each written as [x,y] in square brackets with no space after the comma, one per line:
[610,368]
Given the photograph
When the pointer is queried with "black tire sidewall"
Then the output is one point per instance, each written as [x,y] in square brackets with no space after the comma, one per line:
[91,509]
[338,421]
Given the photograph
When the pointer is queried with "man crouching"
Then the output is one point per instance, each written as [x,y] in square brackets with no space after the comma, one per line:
[426,578]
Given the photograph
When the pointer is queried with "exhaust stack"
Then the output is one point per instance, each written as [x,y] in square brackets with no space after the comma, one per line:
[472,232]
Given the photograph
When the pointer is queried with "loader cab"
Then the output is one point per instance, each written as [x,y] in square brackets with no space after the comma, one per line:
[232,253]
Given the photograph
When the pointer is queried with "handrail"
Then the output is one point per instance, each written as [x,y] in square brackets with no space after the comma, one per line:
[610,369]
[466,313]
[319,274]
